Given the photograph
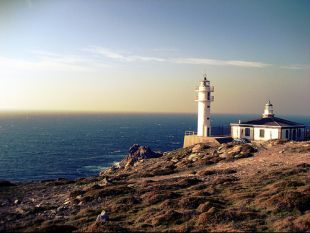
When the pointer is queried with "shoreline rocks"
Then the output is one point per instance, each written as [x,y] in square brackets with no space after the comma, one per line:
[6,183]
[136,154]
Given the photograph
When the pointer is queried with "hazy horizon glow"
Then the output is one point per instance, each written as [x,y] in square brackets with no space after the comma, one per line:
[148,56]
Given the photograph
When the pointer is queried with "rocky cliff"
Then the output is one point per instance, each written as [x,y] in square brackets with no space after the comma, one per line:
[232,187]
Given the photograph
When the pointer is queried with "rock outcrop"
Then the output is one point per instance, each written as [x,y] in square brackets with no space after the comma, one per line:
[236,151]
[136,154]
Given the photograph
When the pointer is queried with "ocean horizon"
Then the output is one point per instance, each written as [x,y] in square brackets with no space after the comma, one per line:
[39,146]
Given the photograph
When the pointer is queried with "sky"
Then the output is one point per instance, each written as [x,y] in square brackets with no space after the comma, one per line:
[148,56]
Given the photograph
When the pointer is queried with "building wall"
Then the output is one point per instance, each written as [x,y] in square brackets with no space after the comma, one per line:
[190,140]
[235,131]
[289,136]
[269,133]
[239,132]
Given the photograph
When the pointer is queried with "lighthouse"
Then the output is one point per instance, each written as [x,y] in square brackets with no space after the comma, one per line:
[204,100]
[203,134]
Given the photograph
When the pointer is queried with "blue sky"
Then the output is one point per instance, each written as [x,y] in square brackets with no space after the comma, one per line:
[84,51]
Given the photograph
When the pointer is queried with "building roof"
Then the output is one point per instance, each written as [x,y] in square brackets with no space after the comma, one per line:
[271,121]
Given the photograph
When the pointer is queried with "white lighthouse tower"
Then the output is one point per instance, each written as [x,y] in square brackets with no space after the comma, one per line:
[204,107]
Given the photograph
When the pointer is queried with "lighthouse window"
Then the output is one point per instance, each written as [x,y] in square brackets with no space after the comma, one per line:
[208,106]
[247,132]
[208,118]
[262,133]
[208,95]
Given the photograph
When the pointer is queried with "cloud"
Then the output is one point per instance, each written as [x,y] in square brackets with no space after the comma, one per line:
[91,60]
[46,61]
[125,57]
[121,57]
[170,50]
[296,66]
[191,61]
[105,52]
[216,62]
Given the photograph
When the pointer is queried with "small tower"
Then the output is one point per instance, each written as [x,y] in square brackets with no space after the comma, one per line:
[204,107]
[268,111]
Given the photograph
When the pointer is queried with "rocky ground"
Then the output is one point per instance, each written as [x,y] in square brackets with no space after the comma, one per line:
[232,187]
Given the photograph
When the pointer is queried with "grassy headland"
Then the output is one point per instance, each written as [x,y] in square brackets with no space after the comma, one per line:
[232,187]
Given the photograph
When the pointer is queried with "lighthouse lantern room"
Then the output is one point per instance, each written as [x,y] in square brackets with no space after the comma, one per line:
[204,100]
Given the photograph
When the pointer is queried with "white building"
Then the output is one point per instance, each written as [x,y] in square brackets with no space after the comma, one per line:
[268,127]
[204,100]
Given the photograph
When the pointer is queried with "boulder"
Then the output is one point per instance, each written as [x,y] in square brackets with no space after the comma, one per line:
[137,152]
[102,217]
[247,149]
[142,152]
[16,202]
[236,151]
[199,147]
[193,157]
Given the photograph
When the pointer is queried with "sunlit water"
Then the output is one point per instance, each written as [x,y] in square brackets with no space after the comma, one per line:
[41,146]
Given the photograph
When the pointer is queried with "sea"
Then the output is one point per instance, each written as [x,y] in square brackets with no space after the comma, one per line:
[36,146]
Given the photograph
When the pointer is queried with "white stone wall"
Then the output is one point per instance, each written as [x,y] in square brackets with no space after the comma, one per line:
[270,133]
[235,131]
[239,132]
